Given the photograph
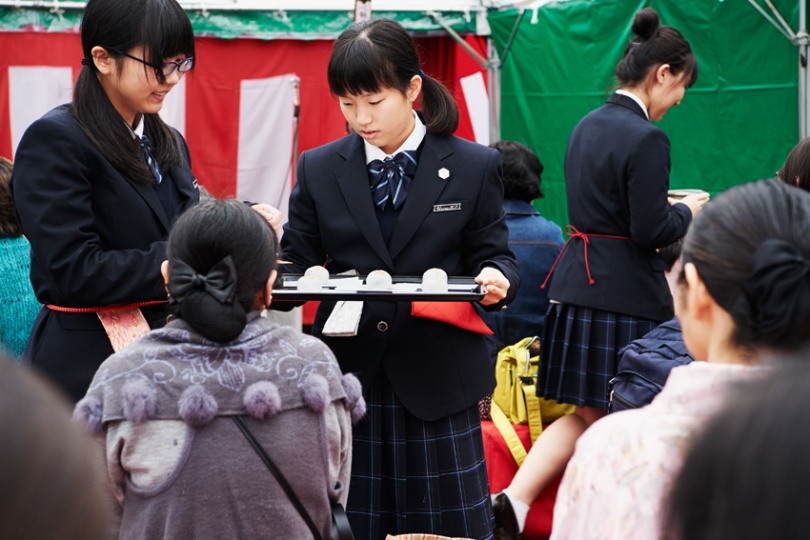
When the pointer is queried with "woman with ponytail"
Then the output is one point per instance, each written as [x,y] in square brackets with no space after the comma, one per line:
[165,405]
[743,303]
[608,287]
[97,184]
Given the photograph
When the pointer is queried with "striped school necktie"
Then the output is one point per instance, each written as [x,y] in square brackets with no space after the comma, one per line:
[150,159]
[390,179]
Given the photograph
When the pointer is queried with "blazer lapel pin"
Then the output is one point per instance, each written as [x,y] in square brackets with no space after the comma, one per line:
[444,173]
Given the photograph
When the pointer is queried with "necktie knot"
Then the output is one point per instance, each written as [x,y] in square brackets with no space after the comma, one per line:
[391,178]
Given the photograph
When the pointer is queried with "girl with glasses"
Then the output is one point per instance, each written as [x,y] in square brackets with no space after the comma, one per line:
[97,184]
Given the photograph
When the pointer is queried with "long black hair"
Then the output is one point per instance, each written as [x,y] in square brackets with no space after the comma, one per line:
[655,45]
[375,54]
[200,239]
[163,30]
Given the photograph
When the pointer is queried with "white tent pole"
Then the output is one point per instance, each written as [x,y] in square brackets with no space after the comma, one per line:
[494,89]
[802,40]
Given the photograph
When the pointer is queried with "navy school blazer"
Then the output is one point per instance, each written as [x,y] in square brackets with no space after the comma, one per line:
[616,178]
[457,224]
[97,239]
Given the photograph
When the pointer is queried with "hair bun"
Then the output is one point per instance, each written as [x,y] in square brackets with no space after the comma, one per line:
[212,319]
[775,301]
[645,23]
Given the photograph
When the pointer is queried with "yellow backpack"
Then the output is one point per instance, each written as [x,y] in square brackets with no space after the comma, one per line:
[515,400]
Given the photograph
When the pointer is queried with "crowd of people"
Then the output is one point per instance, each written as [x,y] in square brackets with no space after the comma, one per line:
[141,299]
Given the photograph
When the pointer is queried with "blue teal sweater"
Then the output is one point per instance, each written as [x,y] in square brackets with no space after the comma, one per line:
[18,305]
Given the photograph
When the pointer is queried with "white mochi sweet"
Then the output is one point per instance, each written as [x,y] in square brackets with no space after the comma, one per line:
[434,281]
[379,279]
[319,274]
[308,284]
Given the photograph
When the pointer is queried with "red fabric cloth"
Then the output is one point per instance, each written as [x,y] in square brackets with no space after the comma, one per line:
[460,314]
[501,467]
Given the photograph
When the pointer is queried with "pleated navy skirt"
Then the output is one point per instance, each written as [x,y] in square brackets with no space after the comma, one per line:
[415,476]
[579,352]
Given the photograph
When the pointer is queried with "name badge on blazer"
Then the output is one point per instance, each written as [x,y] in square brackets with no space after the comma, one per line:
[449,207]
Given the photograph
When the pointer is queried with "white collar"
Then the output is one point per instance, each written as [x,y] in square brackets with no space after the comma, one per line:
[137,131]
[411,143]
[635,98]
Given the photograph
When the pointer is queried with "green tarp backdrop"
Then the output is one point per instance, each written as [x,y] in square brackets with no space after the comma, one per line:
[737,124]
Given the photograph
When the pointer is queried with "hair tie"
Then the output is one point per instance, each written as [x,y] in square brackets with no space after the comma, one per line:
[422,74]
[219,282]
[776,296]
[88,62]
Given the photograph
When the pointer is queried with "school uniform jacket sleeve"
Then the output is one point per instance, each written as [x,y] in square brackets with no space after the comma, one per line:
[653,222]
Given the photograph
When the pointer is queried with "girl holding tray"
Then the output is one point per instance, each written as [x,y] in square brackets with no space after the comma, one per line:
[401,194]
[608,285]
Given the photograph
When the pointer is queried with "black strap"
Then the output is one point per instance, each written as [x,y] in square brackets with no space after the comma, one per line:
[341,528]
[282,481]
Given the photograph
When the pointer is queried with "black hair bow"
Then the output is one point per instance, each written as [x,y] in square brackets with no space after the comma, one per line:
[219,282]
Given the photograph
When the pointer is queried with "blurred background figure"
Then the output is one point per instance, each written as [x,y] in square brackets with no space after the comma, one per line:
[796,170]
[533,239]
[733,485]
[51,484]
[18,305]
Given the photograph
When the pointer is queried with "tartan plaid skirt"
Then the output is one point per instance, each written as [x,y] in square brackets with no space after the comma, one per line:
[579,352]
[415,476]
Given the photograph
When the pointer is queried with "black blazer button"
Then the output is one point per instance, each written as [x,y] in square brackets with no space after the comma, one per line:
[382,326]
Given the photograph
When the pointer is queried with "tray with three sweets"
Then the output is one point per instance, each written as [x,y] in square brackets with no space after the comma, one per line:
[433,286]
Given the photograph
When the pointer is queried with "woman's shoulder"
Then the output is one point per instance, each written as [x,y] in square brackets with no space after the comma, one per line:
[61,116]
[462,146]
[343,146]
[58,123]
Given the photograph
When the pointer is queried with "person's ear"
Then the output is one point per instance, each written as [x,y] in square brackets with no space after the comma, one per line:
[698,299]
[268,289]
[164,271]
[798,181]
[414,87]
[102,59]
[662,72]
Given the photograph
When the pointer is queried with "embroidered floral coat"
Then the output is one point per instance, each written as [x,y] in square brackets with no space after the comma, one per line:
[179,466]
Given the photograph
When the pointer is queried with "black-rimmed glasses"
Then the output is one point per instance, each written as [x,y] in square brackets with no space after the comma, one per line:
[168,67]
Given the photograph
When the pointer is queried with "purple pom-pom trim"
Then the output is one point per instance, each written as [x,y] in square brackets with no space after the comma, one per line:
[355,401]
[197,407]
[315,391]
[138,400]
[354,392]
[359,410]
[88,413]
[262,399]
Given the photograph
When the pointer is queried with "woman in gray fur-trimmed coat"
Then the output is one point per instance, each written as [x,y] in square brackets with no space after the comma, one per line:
[179,466]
